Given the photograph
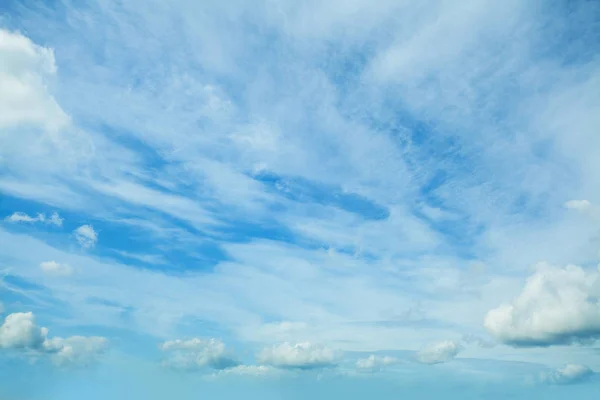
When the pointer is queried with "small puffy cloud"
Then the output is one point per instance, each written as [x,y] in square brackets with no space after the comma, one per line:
[556,306]
[579,205]
[568,375]
[54,268]
[21,217]
[302,355]
[374,363]
[86,236]
[55,219]
[197,353]
[439,352]
[20,332]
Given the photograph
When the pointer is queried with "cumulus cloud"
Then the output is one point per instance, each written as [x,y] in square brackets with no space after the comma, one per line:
[303,355]
[24,71]
[439,352]
[54,268]
[197,353]
[556,306]
[567,375]
[375,363]
[18,217]
[86,236]
[20,332]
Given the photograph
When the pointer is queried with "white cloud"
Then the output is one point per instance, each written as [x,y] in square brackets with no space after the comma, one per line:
[556,306]
[24,70]
[18,216]
[579,205]
[375,363]
[165,116]
[197,353]
[55,219]
[20,332]
[303,355]
[86,236]
[569,374]
[54,268]
[75,350]
[439,352]
[249,371]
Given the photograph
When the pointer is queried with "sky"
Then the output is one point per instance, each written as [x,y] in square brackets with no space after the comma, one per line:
[298,199]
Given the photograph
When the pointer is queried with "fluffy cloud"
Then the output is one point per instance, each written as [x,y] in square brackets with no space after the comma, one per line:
[17,217]
[302,355]
[439,352]
[20,332]
[556,306]
[54,268]
[197,353]
[24,70]
[569,374]
[86,236]
[374,363]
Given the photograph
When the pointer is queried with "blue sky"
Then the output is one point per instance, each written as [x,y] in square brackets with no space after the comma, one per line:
[299,199]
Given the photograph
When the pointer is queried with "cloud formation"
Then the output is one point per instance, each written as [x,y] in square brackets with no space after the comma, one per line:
[20,332]
[568,375]
[53,219]
[54,268]
[439,353]
[556,306]
[23,75]
[302,355]
[375,363]
[197,353]
[254,371]
[86,236]
[579,205]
